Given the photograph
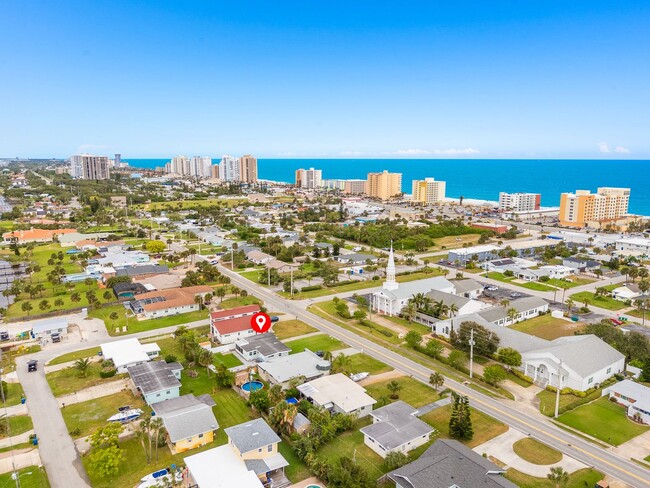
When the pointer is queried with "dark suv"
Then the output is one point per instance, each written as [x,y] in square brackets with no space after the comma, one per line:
[31,365]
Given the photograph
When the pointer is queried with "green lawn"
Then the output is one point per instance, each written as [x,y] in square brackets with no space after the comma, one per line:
[350,445]
[319,342]
[603,302]
[603,420]
[297,470]
[228,360]
[535,452]
[88,416]
[573,282]
[548,327]
[413,392]
[18,424]
[485,427]
[29,477]
[567,402]
[14,394]
[230,409]
[362,362]
[233,302]
[252,275]
[285,329]
[535,286]
[73,356]
[579,479]
[135,325]
[67,380]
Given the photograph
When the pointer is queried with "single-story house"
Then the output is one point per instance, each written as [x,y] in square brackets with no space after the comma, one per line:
[479,253]
[157,380]
[261,347]
[324,246]
[450,464]
[339,394]
[634,396]
[35,235]
[395,428]
[45,328]
[468,288]
[141,271]
[162,303]
[257,445]
[281,370]
[526,307]
[189,421]
[258,257]
[229,326]
[464,305]
[629,291]
[581,265]
[281,266]
[220,468]
[129,352]
[356,258]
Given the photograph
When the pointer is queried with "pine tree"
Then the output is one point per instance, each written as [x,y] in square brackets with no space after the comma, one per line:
[460,422]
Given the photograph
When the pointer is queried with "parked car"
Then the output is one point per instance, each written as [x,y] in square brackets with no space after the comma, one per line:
[616,322]
[31,365]
[492,288]
[515,295]
[56,337]
[4,335]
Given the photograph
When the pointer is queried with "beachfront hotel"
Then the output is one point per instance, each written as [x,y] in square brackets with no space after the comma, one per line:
[309,178]
[519,202]
[428,190]
[384,185]
[583,208]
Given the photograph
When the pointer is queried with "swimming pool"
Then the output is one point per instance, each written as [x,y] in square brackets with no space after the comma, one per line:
[252,386]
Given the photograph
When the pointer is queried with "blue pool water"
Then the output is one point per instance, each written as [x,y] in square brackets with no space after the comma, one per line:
[252,386]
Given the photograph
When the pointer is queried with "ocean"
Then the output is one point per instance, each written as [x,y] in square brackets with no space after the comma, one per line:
[480,179]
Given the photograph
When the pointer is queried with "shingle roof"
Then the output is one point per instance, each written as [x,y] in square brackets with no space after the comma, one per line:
[233,320]
[448,463]
[142,270]
[185,417]
[463,286]
[265,344]
[448,298]
[251,435]
[155,376]
[396,425]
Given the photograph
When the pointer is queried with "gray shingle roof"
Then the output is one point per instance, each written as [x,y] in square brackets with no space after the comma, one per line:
[396,425]
[447,298]
[155,376]
[463,286]
[266,344]
[449,463]
[185,417]
[251,435]
[143,269]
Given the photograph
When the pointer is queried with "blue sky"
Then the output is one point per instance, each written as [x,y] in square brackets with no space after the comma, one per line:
[482,79]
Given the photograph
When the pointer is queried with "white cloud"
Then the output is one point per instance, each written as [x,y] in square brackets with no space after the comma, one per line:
[621,150]
[352,153]
[435,152]
[603,147]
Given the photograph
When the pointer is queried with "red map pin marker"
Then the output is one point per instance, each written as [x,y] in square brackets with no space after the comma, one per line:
[260,322]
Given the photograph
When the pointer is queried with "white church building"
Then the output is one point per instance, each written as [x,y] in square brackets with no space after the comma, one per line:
[394,296]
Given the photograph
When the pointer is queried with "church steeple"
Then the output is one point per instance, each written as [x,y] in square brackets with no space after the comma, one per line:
[390,283]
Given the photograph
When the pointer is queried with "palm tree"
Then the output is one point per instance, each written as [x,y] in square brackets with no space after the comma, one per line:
[505,302]
[642,304]
[409,311]
[198,299]
[82,365]
[113,317]
[26,307]
[341,364]
[206,358]
[59,302]
[452,310]
[569,305]
[44,305]
[512,314]
[220,292]
[558,476]
[586,302]
[394,387]
[436,380]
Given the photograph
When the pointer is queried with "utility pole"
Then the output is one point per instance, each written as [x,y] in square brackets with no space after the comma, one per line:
[291,282]
[471,353]
[559,387]
[268,273]
[232,257]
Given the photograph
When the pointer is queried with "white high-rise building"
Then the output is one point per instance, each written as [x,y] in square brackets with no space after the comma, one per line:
[519,202]
[309,178]
[89,167]
[229,169]
[200,167]
[76,164]
[428,190]
[180,165]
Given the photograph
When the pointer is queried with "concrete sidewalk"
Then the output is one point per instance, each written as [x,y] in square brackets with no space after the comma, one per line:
[94,392]
[17,439]
[19,459]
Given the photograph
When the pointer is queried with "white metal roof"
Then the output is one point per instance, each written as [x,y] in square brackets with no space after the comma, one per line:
[125,352]
[221,468]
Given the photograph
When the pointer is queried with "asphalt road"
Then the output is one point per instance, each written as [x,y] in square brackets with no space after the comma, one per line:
[504,410]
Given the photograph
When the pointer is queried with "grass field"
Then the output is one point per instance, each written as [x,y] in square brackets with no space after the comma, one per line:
[579,479]
[228,360]
[285,329]
[607,303]
[548,327]
[88,416]
[135,325]
[535,452]
[18,424]
[29,477]
[73,356]
[233,302]
[534,286]
[413,392]
[485,427]
[603,420]
[567,402]
[67,380]
[452,242]
[362,362]
[350,445]
[185,204]
[13,395]
[319,342]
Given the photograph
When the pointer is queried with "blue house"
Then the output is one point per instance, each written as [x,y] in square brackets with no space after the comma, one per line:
[157,380]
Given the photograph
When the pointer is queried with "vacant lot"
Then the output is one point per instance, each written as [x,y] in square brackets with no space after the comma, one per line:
[602,302]
[603,420]
[362,362]
[135,325]
[73,356]
[579,479]
[485,427]
[285,329]
[548,327]
[67,380]
[319,342]
[413,392]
